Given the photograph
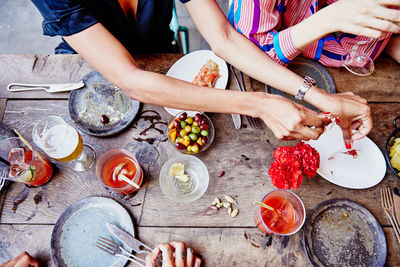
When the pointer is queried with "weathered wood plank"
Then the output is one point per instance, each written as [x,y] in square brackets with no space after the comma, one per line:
[245,156]
[217,246]
[66,186]
[3,103]
[60,69]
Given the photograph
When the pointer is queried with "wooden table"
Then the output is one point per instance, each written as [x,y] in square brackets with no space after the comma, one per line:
[29,214]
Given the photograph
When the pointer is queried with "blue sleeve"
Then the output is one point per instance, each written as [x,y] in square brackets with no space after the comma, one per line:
[64,17]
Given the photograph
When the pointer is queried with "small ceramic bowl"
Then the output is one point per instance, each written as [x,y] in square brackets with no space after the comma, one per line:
[191,135]
[395,134]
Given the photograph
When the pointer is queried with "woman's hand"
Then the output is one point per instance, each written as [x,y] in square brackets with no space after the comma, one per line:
[289,120]
[174,254]
[353,112]
[22,260]
[371,18]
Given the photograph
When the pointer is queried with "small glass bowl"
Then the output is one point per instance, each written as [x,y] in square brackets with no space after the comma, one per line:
[189,191]
[184,149]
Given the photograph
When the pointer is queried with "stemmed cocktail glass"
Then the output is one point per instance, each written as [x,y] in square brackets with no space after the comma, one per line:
[62,142]
[359,63]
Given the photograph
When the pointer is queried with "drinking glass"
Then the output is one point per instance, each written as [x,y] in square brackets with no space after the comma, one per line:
[184,191]
[62,142]
[119,161]
[288,216]
[21,163]
[359,63]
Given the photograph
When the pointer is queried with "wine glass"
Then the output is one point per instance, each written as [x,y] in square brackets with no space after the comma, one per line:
[359,63]
[62,142]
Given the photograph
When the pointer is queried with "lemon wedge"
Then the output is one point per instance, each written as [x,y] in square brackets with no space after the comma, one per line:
[184,178]
[177,169]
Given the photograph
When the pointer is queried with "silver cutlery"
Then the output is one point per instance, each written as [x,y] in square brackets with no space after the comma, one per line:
[253,122]
[50,88]
[136,245]
[113,248]
[387,205]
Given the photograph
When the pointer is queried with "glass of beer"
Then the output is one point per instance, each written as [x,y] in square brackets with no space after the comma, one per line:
[62,142]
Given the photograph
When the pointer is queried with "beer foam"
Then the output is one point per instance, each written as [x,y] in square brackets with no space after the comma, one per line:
[60,141]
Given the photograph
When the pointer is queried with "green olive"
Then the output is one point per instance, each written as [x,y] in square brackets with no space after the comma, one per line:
[195,123]
[188,128]
[204,132]
[189,120]
[183,124]
[195,129]
[193,136]
[195,149]
[182,133]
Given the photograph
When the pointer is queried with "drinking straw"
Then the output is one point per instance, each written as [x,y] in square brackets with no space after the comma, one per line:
[23,140]
[263,205]
[5,161]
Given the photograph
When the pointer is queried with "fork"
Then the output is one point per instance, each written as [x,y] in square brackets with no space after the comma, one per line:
[115,249]
[387,205]
[254,123]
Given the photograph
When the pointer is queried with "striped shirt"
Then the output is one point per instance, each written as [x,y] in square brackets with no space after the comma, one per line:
[267,23]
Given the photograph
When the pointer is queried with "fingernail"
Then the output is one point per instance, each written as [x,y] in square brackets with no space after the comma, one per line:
[348,145]
[338,120]
[327,113]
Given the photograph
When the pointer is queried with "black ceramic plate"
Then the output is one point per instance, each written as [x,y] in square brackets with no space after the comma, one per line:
[341,232]
[308,67]
[4,134]
[98,97]
[73,241]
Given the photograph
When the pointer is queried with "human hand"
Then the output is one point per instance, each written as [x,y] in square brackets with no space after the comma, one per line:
[174,254]
[289,120]
[371,18]
[22,260]
[353,112]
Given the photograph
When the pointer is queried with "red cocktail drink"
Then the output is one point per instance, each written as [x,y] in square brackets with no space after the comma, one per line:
[116,167]
[26,165]
[287,216]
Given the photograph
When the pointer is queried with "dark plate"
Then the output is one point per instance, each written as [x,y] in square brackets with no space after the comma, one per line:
[73,241]
[308,67]
[395,134]
[341,232]
[4,134]
[98,97]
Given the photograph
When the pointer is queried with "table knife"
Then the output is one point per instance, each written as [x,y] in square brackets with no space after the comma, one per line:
[396,200]
[136,245]
[237,121]
[50,88]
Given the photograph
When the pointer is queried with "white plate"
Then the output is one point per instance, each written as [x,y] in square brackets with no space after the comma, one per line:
[365,171]
[187,67]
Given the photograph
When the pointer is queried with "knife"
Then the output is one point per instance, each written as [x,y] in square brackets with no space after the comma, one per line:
[237,121]
[396,200]
[50,88]
[128,240]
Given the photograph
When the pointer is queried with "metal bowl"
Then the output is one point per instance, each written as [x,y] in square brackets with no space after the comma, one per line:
[395,134]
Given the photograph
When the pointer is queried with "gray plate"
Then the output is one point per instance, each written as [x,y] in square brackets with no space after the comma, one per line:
[97,97]
[341,232]
[308,67]
[4,134]
[73,241]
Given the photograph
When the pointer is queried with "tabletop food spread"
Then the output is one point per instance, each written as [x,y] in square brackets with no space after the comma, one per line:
[91,172]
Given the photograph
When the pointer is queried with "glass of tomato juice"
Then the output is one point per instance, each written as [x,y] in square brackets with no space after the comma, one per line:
[286,218]
[119,170]
[22,163]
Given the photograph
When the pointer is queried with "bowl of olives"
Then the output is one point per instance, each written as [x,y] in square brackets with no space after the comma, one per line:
[190,134]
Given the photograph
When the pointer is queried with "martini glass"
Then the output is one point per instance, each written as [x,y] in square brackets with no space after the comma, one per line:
[359,63]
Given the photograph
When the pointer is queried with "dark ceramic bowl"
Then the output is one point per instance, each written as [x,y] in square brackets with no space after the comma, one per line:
[395,134]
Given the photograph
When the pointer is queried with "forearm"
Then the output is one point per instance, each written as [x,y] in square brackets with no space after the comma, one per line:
[393,47]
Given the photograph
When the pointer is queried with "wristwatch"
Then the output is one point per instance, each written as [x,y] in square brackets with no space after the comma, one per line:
[304,87]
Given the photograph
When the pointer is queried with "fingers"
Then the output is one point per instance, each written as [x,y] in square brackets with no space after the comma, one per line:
[190,257]
[168,258]
[151,259]
[364,129]
[180,253]
[197,262]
